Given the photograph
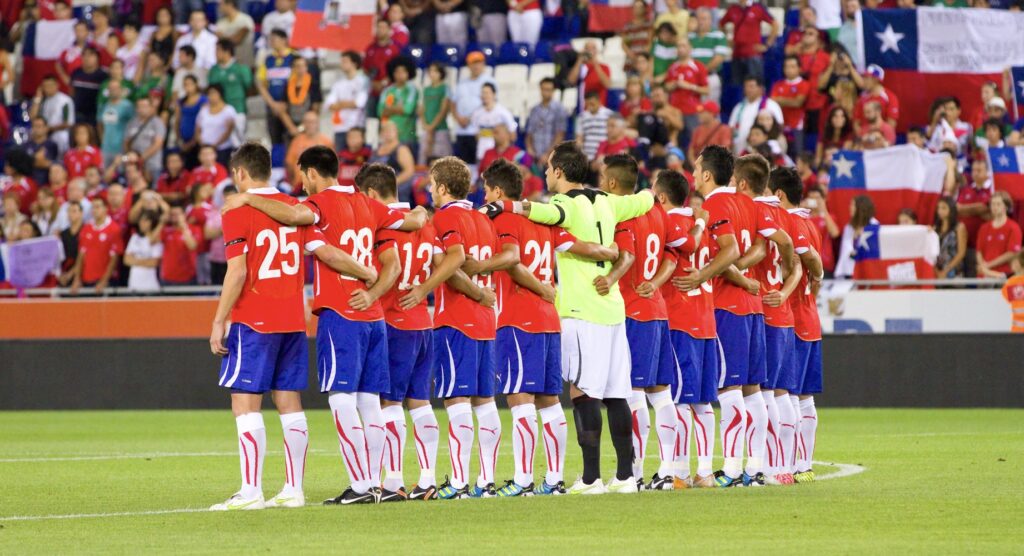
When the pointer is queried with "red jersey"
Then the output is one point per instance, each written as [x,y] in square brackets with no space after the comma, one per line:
[806,322]
[511,153]
[622,146]
[769,270]
[692,72]
[198,215]
[212,176]
[177,184]
[886,99]
[627,108]
[792,118]
[271,300]
[812,65]
[993,241]
[24,189]
[98,244]
[537,245]
[646,237]
[591,81]
[692,312]
[179,262]
[375,61]
[349,164]
[76,160]
[969,195]
[415,254]
[350,221]
[747,32]
[827,254]
[735,213]
[456,223]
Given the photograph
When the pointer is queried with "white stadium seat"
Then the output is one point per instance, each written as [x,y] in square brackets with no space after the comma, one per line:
[372,130]
[539,71]
[512,73]
[613,47]
[570,99]
[464,71]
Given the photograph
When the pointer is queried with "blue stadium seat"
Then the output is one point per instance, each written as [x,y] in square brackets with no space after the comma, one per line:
[257,10]
[515,53]
[449,54]
[418,54]
[489,50]
[543,51]
[553,28]
[792,19]
[83,12]
[211,11]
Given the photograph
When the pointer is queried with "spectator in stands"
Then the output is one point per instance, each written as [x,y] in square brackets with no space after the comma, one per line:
[214,232]
[347,98]
[131,52]
[69,242]
[875,133]
[999,239]
[745,113]
[375,62]
[657,129]
[504,148]
[399,157]
[57,109]
[215,124]
[791,94]
[962,130]
[302,94]
[100,247]
[805,169]
[118,171]
[58,183]
[142,255]
[916,137]
[837,135]
[197,213]
[636,34]
[419,18]
[45,212]
[165,36]
[546,124]
[675,14]
[590,74]
[155,84]
[187,66]
[282,18]
[525,21]
[83,154]
[85,85]
[181,243]
[399,32]
[776,139]
[862,213]
[989,90]
[840,81]
[175,182]
[209,170]
[237,27]
[94,183]
[808,20]
[636,100]
[272,84]
[202,40]
[747,46]
[433,115]
[466,99]
[145,135]
[617,142]
[41,149]
[16,181]
[399,100]
[309,137]
[849,32]
[709,131]
[151,202]
[71,58]
[592,124]
[663,49]
[821,217]
[906,217]
[814,61]
[234,78]
[113,120]
[952,240]
[710,48]
[102,32]
[116,74]
[13,217]
[489,115]
[452,22]
[993,131]
[353,156]
[687,81]
[874,91]
[185,115]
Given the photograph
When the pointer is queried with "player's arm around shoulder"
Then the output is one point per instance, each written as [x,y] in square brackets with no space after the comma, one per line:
[631,206]
[290,215]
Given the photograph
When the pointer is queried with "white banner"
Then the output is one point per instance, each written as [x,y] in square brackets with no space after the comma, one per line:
[968,41]
[880,311]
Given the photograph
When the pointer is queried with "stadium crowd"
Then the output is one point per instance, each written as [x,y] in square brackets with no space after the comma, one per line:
[121,150]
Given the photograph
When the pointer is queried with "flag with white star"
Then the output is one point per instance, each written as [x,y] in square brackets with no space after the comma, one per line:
[1007,164]
[895,252]
[1017,82]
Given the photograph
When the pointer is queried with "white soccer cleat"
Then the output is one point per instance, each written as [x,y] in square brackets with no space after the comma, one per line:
[287,500]
[597,487]
[625,486]
[237,503]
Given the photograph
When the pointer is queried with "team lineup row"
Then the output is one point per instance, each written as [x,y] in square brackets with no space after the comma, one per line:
[655,301]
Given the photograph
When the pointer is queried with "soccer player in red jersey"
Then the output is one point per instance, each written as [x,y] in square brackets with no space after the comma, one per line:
[265,348]
[641,269]
[799,381]
[464,327]
[100,246]
[410,347]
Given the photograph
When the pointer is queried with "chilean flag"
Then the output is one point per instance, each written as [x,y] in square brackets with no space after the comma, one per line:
[609,15]
[931,52]
[895,253]
[1007,165]
[895,178]
[43,43]
[334,24]
[1017,81]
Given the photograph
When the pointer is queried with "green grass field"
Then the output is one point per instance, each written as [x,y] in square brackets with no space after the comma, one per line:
[934,481]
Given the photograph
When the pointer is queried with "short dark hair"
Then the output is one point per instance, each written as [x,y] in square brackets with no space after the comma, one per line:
[570,159]
[674,185]
[441,68]
[719,161]
[786,179]
[954,100]
[215,87]
[623,168]
[666,26]
[190,50]
[401,62]
[320,158]
[90,49]
[279,33]
[994,122]
[378,177]
[548,80]
[753,169]
[755,79]
[254,158]
[916,129]
[453,174]
[353,56]
[592,94]
[489,86]
[792,57]
[226,46]
[505,176]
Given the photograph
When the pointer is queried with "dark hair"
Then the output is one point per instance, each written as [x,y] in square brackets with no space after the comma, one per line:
[320,158]
[254,158]
[950,222]
[755,79]
[489,86]
[20,161]
[994,122]
[789,182]
[229,189]
[568,158]
[152,216]
[807,157]
[130,23]
[453,174]
[215,87]
[401,62]
[666,26]
[916,129]
[792,57]
[353,56]
[910,213]
[760,128]
[674,185]
[719,161]
[954,100]
[227,46]
[645,55]
[188,49]
[378,177]
[753,169]
[36,232]
[441,68]
[279,34]
[831,131]
[623,168]
[864,211]
[90,49]
[549,80]
[504,175]
[592,94]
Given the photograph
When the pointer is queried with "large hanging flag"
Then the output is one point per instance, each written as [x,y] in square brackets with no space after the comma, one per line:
[895,253]
[43,43]
[932,52]
[334,24]
[1017,81]
[609,15]
[1007,164]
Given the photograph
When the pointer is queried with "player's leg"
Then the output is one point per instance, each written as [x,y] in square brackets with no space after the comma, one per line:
[757,412]
[683,394]
[734,346]
[585,382]
[665,418]
[401,357]
[512,348]
[488,420]
[709,352]
[425,429]
[643,344]
[552,416]
[617,390]
[374,380]
[290,379]
[787,417]
[811,384]
[775,350]
[456,358]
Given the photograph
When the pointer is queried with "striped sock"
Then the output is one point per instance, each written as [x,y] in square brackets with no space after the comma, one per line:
[524,442]
[351,439]
[460,442]
[394,448]
[252,448]
[296,441]
[556,435]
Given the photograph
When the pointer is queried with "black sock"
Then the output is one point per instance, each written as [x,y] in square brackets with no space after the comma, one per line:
[620,425]
[587,412]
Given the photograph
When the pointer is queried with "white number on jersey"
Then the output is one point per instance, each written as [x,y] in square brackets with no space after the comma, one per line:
[746,243]
[277,246]
[359,244]
[651,252]
[774,274]
[699,261]
[423,251]
[540,263]
[481,253]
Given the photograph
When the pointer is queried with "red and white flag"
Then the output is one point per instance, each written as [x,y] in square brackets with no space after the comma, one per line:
[334,24]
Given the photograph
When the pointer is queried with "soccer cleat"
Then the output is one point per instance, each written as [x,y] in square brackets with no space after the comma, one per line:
[482,492]
[756,480]
[429,493]
[804,476]
[448,492]
[681,484]
[596,487]
[772,480]
[725,481]
[660,483]
[625,486]
[393,495]
[545,489]
[511,488]
[237,502]
[287,500]
[787,479]
[705,481]
[350,497]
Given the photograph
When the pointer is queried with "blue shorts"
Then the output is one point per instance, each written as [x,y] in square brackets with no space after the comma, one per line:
[779,355]
[742,339]
[808,365]
[650,349]
[529,362]
[352,355]
[466,365]
[411,356]
[698,362]
[258,362]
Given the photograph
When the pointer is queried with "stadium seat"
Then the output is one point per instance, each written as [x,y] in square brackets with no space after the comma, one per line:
[553,28]
[515,53]
[211,11]
[257,10]
[539,71]
[448,54]
[570,99]
[613,47]
[418,53]
[372,130]
[543,51]
[618,75]
[463,72]
[489,50]
[328,77]
[515,73]
[533,98]
[615,96]
[579,42]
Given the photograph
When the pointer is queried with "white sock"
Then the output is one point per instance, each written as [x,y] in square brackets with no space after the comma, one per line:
[757,430]
[460,441]
[787,432]
[808,429]
[351,439]
[641,430]
[252,448]
[734,430]
[489,436]
[704,436]
[296,441]
[373,429]
[425,430]
[771,440]
[794,401]
[394,424]
[665,423]
[556,432]
[524,442]
[681,449]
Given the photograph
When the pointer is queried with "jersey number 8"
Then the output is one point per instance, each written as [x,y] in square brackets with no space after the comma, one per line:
[360,244]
